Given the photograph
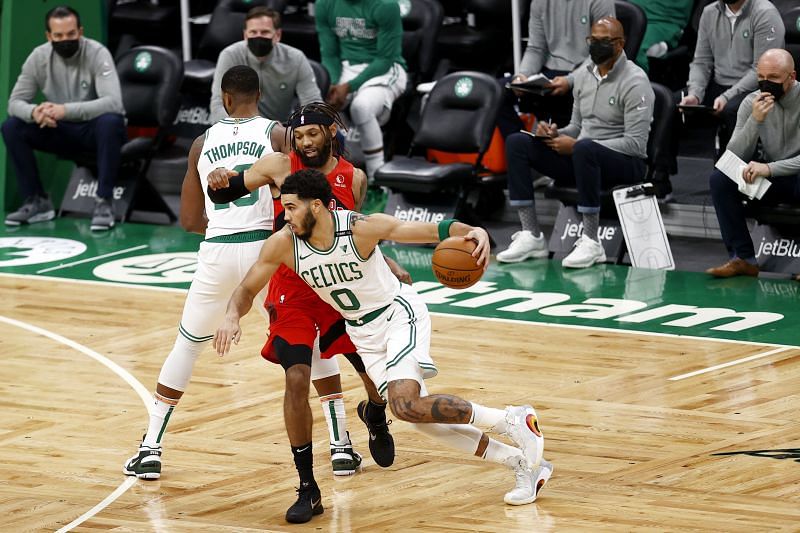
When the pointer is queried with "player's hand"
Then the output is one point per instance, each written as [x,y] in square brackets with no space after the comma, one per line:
[690,99]
[219,178]
[401,273]
[559,86]
[562,145]
[755,170]
[228,333]
[719,104]
[337,95]
[762,106]
[482,246]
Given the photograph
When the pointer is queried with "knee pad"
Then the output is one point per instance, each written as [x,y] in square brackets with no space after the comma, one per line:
[177,368]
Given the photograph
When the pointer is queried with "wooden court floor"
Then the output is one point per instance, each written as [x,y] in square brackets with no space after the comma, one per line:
[633,450]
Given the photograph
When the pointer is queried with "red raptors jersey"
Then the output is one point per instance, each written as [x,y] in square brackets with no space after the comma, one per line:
[286,286]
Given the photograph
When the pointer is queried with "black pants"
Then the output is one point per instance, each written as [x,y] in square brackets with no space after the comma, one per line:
[591,167]
[556,109]
[731,211]
[102,136]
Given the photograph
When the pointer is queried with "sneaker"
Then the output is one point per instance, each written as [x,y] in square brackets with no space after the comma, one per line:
[524,246]
[34,209]
[308,504]
[102,216]
[344,459]
[529,482]
[586,253]
[381,442]
[146,464]
[523,428]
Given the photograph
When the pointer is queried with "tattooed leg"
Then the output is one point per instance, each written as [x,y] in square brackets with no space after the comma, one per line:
[407,405]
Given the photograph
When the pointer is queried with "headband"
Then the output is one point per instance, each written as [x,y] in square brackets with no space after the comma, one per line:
[307,118]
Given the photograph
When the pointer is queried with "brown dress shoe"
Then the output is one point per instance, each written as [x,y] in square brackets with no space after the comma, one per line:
[734,267]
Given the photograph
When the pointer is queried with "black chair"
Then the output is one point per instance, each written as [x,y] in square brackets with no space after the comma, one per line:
[476,35]
[672,69]
[790,13]
[459,117]
[142,21]
[321,76]
[634,24]
[150,78]
[299,29]
[224,29]
[657,141]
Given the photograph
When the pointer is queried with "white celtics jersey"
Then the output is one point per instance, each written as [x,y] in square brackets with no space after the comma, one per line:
[236,144]
[354,286]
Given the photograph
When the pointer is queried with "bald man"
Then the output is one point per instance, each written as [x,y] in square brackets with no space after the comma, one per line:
[605,144]
[770,115]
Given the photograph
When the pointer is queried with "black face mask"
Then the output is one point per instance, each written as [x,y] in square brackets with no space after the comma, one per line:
[772,87]
[601,51]
[260,46]
[67,48]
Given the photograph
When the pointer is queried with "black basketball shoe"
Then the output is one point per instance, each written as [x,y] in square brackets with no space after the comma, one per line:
[308,504]
[381,442]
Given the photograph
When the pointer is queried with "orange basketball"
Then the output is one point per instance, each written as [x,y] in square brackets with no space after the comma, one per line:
[454,265]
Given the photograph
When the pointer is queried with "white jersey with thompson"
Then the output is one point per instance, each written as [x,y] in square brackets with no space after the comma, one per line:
[235,144]
[351,284]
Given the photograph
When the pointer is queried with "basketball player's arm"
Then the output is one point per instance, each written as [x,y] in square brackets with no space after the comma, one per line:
[193,217]
[359,188]
[227,185]
[369,230]
[277,250]
[278,138]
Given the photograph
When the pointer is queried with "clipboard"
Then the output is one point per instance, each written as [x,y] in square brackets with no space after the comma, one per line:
[643,227]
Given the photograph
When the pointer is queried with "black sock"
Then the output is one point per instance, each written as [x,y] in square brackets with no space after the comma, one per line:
[304,462]
[376,412]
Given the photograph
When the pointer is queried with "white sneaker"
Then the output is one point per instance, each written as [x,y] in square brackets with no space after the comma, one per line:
[524,246]
[522,426]
[586,253]
[529,482]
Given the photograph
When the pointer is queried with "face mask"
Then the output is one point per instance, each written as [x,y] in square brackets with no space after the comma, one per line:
[601,51]
[67,48]
[260,46]
[772,87]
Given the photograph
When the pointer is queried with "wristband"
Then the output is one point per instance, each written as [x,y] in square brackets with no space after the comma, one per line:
[444,228]
[235,190]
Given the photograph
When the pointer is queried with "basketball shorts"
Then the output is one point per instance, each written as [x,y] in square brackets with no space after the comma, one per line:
[220,269]
[396,344]
[300,323]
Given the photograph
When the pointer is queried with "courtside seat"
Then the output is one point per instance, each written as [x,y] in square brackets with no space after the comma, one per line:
[459,117]
[224,29]
[634,23]
[658,140]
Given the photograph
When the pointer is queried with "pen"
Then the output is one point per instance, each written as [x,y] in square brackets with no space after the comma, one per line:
[683,115]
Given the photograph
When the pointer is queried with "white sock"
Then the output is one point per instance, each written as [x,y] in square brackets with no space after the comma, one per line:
[160,412]
[488,418]
[498,452]
[373,162]
[336,418]
[462,437]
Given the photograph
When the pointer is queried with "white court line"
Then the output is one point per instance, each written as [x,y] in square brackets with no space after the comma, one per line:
[432,313]
[730,363]
[135,384]
[90,259]
[125,485]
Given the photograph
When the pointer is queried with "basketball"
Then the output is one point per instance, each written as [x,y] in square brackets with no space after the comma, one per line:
[453,264]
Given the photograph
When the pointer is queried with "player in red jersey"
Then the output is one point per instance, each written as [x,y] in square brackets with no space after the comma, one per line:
[298,316]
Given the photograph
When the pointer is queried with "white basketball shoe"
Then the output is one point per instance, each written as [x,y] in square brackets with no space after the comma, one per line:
[529,482]
[522,426]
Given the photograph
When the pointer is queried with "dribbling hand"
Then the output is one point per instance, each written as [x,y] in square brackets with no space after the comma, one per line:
[482,246]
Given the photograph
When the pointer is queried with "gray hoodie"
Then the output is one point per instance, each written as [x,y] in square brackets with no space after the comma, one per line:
[732,55]
[86,83]
[779,133]
[557,32]
[615,112]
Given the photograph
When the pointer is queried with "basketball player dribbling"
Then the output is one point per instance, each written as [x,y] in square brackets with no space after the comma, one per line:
[337,254]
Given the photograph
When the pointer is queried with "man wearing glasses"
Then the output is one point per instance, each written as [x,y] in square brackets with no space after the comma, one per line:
[604,145]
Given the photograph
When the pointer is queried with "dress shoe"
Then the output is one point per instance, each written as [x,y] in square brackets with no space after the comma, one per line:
[734,267]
